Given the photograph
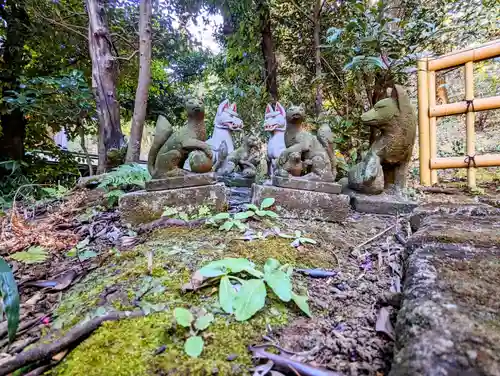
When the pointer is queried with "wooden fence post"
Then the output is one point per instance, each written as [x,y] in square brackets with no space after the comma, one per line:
[469,122]
[423,122]
[432,124]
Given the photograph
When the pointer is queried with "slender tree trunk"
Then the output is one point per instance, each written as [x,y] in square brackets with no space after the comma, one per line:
[141,95]
[317,42]
[81,132]
[12,63]
[267,44]
[104,76]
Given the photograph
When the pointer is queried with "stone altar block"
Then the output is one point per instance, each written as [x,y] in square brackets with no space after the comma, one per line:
[383,203]
[146,206]
[304,204]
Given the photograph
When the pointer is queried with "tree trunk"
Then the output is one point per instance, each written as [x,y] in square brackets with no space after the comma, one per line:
[317,42]
[104,76]
[13,123]
[141,95]
[267,44]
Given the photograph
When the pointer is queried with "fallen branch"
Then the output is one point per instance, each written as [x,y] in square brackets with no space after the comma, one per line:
[165,222]
[289,364]
[75,335]
[446,191]
[358,247]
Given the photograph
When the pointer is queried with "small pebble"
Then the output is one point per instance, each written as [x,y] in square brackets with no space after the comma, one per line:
[231,357]
[160,350]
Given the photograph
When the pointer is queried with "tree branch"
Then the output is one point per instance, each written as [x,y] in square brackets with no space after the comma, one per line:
[297,6]
[65,26]
[128,58]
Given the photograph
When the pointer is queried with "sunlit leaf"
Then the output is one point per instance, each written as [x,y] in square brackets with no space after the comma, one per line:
[250,299]
[301,302]
[194,346]
[183,317]
[267,202]
[226,294]
[203,322]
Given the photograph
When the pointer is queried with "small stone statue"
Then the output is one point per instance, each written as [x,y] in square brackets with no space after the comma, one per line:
[170,149]
[226,122]
[317,158]
[275,122]
[245,158]
[386,163]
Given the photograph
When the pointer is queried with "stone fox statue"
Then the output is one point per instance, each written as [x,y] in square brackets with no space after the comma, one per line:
[317,153]
[246,158]
[171,149]
[275,122]
[389,155]
[226,122]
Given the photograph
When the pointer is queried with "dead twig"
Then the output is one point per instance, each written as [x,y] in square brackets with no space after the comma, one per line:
[165,222]
[75,335]
[358,247]
[445,191]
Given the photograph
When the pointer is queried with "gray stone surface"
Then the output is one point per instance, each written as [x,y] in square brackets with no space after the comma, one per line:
[146,206]
[188,180]
[449,322]
[295,203]
[236,180]
[475,210]
[307,185]
[383,203]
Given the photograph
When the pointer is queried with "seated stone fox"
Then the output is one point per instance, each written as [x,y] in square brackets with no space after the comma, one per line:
[171,149]
[316,152]
[245,158]
[386,163]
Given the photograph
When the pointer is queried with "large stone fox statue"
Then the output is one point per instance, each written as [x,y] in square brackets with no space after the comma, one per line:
[170,149]
[275,122]
[226,122]
[386,163]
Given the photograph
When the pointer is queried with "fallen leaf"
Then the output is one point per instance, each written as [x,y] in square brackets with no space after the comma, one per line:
[383,324]
[58,357]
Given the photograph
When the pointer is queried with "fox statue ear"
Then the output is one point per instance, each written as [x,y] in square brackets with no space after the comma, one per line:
[395,94]
[223,106]
[280,108]
[302,105]
[269,109]
[234,108]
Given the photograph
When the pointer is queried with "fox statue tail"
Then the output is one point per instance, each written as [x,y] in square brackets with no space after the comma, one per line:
[326,139]
[163,131]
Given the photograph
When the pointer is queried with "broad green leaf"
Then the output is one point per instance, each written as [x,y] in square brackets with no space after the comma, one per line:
[228,225]
[270,213]
[183,317]
[244,215]
[34,255]
[301,302]
[86,255]
[71,253]
[184,216]
[298,234]
[280,283]
[261,213]
[250,299]
[203,322]
[307,240]
[271,265]
[267,203]
[254,272]
[226,294]
[169,212]
[194,346]
[252,207]
[221,216]
[10,296]
[235,265]
[241,226]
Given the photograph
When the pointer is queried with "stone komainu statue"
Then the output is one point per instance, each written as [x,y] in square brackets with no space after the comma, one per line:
[386,163]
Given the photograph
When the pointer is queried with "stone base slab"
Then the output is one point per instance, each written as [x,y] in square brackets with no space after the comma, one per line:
[300,204]
[146,206]
[188,180]
[448,323]
[379,204]
[236,180]
[307,185]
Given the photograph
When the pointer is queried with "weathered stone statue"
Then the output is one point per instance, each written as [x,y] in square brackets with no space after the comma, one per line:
[386,163]
[170,149]
[317,158]
[275,122]
[244,159]
[226,122]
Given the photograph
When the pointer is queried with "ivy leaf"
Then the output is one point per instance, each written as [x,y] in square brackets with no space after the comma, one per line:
[221,216]
[226,294]
[228,225]
[183,317]
[194,346]
[244,215]
[203,322]
[250,299]
[240,225]
[252,207]
[270,213]
[267,203]
[301,302]
[10,296]
[280,283]
[34,255]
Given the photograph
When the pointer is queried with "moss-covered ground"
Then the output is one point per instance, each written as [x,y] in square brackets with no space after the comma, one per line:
[128,347]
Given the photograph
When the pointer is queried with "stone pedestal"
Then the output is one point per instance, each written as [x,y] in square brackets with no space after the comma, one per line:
[183,181]
[307,185]
[303,204]
[383,203]
[146,206]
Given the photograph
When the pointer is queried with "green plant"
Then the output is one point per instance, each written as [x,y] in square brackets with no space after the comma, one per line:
[298,239]
[194,344]
[202,212]
[125,176]
[247,296]
[113,196]
[9,299]
[81,251]
[34,255]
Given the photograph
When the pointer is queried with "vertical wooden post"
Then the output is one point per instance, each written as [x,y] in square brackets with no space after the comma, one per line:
[423,122]
[469,122]
[432,124]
